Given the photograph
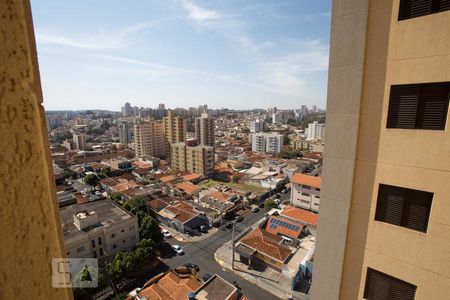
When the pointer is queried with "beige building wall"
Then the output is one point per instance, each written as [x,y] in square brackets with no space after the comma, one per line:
[204,130]
[200,160]
[149,138]
[30,230]
[178,156]
[370,51]
[174,130]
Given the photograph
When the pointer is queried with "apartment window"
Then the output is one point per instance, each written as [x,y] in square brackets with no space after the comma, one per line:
[99,240]
[94,254]
[113,235]
[306,186]
[93,243]
[114,246]
[417,8]
[80,249]
[403,207]
[381,286]
[101,251]
[419,106]
[123,241]
[123,230]
[306,195]
[304,201]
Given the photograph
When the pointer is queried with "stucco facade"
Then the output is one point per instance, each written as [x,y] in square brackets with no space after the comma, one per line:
[31,232]
[371,51]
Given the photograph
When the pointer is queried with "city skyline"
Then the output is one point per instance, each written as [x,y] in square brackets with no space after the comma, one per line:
[182,53]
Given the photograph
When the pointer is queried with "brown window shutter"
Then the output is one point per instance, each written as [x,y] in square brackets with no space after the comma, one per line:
[433,105]
[414,8]
[380,286]
[403,104]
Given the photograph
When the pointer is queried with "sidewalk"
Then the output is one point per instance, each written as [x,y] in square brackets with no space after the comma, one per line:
[270,280]
[181,237]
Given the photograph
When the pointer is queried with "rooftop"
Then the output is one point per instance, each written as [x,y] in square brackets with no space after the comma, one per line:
[267,244]
[314,181]
[107,212]
[215,288]
[284,226]
[188,187]
[169,286]
[299,214]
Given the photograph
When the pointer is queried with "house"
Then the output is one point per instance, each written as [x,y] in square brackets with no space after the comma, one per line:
[192,177]
[168,286]
[259,249]
[217,288]
[182,217]
[308,218]
[188,188]
[289,229]
[305,191]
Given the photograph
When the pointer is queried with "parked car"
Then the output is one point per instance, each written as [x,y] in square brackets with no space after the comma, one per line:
[255,208]
[206,277]
[192,266]
[166,233]
[178,249]
[238,218]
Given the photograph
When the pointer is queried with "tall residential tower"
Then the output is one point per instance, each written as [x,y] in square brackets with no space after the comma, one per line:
[204,130]
[384,226]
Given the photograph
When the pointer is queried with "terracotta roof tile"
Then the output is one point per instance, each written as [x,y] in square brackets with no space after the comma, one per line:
[188,187]
[170,287]
[284,226]
[314,181]
[267,244]
[300,214]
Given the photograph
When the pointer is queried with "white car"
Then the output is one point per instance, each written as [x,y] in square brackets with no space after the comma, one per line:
[178,249]
[166,233]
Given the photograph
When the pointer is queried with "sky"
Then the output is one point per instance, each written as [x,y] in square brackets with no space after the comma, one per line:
[236,54]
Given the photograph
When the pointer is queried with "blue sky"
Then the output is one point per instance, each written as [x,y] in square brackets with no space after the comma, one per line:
[224,53]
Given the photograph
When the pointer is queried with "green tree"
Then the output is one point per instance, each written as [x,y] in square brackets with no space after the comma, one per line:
[92,179]
[269,204]
[140,203]
[69,173]
[149,229]
[116,197]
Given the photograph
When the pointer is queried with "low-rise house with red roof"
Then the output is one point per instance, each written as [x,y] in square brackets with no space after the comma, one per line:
[188,189]
[260,249]
[305,191]
[183,217]
[308,218]
[168,286]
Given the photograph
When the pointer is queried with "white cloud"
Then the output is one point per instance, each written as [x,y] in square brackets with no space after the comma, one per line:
[198,13]
[101,40]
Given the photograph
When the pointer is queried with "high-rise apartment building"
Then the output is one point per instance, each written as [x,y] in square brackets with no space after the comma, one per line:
[315,131]
[149,138]
[127,110]
[267,142]
[204,130]
[174,130]
[79,140]
[124,133]
[196,159]
[384,226]
[257,126]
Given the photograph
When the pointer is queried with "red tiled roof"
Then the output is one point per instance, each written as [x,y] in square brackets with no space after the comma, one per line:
[184,212]
[293,230]
[192,176]
[170,287]
[219,196]
[167,178]
[267,244]
[300,214]
[314,181]
[188,187]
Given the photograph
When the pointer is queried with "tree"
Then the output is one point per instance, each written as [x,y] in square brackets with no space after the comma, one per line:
[92,179]
[116,197]
[235,178]
[69,173]
[140,203]
[149,229]
[269,204]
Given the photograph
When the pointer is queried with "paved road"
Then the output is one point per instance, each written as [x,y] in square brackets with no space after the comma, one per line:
[202,254]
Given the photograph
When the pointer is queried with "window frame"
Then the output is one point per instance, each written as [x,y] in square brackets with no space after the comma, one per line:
[395,95]
[411,196]
[391,279]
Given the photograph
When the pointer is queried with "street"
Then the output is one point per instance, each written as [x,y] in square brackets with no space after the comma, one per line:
[202,254]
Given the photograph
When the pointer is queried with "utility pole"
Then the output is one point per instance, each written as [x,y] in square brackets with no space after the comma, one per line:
[232,247]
